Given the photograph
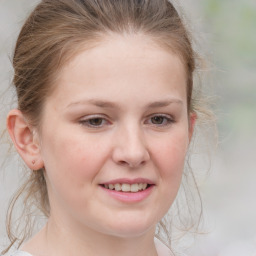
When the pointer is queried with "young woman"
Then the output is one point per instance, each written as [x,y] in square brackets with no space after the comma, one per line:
[106,112]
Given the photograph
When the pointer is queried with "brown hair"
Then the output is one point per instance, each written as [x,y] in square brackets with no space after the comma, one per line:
[55,31]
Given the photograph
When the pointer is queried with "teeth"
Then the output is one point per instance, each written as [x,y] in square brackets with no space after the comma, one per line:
[118,187]
[127,187]
[134,188]
[111,186]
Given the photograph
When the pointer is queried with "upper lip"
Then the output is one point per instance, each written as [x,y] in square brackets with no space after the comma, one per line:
[129,181]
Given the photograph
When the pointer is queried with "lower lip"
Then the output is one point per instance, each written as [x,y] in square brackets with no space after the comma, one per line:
[129,197]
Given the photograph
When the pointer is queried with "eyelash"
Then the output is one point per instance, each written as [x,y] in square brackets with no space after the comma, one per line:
[167,120]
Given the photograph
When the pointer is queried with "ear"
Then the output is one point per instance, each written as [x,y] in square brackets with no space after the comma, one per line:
[25,139]
[192,121]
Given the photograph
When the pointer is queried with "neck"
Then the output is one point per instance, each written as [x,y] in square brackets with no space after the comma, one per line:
[56,240]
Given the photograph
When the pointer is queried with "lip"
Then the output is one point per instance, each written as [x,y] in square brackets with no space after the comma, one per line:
[129,181]
[129,197]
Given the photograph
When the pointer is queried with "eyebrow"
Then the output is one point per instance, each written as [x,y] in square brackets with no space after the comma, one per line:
[109,104]
[164,103]
[97,103]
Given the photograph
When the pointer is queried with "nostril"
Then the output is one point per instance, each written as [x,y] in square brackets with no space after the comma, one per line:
[123,163]
[136,164]
[131,164]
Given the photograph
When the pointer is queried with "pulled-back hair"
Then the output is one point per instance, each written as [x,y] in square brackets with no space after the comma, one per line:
[59,29]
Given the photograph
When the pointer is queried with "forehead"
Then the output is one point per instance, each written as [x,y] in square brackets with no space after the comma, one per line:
[114,46]
[119,61]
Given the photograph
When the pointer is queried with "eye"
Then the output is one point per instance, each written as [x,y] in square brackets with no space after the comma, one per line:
[94,122]
[160,120]
[157,120]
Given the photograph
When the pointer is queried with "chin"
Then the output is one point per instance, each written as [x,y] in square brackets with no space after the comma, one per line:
[132,233]
[133,228]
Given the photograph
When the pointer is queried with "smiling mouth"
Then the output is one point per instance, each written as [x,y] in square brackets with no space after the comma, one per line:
[133,188]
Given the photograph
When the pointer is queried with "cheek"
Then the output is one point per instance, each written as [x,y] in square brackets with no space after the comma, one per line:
[72,158]
[171,154]
[71,161]
[169,157]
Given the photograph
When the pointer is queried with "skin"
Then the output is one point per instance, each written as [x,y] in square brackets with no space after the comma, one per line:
[118,110]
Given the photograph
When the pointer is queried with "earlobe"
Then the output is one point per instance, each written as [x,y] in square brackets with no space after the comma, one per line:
[192,122]
[24,139]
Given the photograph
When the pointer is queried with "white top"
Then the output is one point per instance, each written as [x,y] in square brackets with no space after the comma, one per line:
[21,253]
[160,251]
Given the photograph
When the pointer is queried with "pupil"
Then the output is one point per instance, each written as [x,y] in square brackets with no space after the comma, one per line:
[96,121]
[157,120]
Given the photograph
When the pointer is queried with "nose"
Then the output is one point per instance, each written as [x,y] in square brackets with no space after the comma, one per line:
[130,148]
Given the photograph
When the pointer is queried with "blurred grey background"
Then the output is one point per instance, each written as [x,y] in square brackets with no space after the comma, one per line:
[227,30]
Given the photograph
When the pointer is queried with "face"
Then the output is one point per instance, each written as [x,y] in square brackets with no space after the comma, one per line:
[114,136]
